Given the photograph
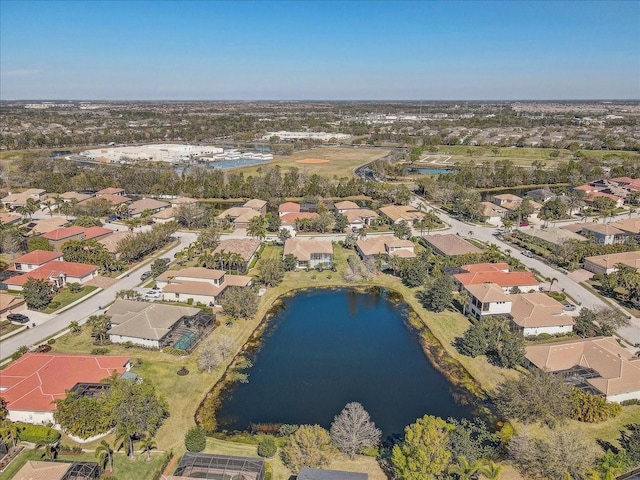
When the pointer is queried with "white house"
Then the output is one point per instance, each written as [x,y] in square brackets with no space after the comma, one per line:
[34,260]
[487,299]
[200,284]
[309,253]
[537,313]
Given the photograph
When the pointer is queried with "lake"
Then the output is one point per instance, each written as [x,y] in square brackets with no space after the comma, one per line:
[431,170]
[327,347]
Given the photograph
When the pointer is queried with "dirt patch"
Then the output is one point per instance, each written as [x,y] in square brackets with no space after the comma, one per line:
[313,160]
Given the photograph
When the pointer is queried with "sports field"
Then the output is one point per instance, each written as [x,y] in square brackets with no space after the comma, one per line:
[328,161]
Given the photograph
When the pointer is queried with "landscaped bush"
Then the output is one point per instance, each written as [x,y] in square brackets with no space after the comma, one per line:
[54,305]
[267,447]
[182,372]
[559,296]
[38,434]
[51,341]
[195,440]
[99,351]
[178,352]
[74,287]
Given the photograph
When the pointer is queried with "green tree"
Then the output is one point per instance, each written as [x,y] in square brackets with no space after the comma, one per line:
[104,454]
[271,271]
[99,325]
[9,432]
[439,295]
[630,441]
[158,267]
[283,235]
[463,469]
[491,471]
[3,409]
[340,223]
[195,439]
[37,293]
[290,262]
[258,227]
[146,445]
[308,446]
[539,396]
[472,439]
[273,222]
[239,302]
[424,453]
[267,447]
[39,243]
[402,229]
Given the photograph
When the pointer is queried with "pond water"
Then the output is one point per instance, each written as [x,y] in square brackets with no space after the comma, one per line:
[431,170]
[328,347]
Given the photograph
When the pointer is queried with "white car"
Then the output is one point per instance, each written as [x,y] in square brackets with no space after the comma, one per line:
[153,294]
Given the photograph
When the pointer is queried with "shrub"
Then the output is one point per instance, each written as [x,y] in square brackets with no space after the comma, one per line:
[190,301]
[99,351]
[18,353]
[182,372]
[195,440]
[267,447]
[287,429]
[54,305]
[74,287]
[38,434]
[561,297]
[51,341]
[174,351]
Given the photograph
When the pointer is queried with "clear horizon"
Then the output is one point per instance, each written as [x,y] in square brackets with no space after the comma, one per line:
[327,51]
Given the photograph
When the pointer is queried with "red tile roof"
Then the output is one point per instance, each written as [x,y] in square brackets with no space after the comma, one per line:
[504,279]
[290,218]
[38,257]
[94,232]
[63,232]
[35,380]
[54,269]
[289,207]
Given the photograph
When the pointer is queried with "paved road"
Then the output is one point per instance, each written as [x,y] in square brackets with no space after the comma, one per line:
[577,291]
[84,310]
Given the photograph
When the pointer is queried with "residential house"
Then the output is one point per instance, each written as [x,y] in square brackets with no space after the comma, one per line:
[397,213]
[608,263]
[165,216]
[360,218]
[604,233]
[450,245]
[146,324]
[183,201]
[508,281]
[591,196]
[309,253]
[114,200]
[57,272]
[342,207]
[631,227]
[9,218]
[487,299]
[74,196]
[15,200]
[493,213]
[600,363]
[386,245]
[38,470]
[288,220]
[308,473]
[137,208]
[536,313]
[44,225]
[111,242]
[32,383]
[10,304]
[200,284]
[554,235]
[246,248]
[288,207]
[541,195]
[258,205]
[60,236]
[507,200]
[110,191]
[33,260]
[240,217]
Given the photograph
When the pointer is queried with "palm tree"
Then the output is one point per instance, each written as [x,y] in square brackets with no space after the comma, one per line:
[463,469]
[146,446]
[9,432]
[552,281]
[104,454]
[75,326]
[491,471]
[206,259]
[258,227]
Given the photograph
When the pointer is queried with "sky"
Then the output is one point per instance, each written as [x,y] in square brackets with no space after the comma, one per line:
[319,50]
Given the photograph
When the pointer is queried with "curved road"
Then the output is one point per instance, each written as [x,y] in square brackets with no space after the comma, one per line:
[84,310]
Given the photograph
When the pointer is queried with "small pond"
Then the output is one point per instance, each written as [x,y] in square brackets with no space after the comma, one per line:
[431,170]
[328,347]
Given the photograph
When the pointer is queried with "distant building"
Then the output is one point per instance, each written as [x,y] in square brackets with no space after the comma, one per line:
[609,263]
[451,245]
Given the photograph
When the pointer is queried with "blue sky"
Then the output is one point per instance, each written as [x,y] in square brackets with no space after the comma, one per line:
[319,50]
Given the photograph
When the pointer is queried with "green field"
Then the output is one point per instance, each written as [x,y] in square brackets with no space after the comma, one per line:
[341,161]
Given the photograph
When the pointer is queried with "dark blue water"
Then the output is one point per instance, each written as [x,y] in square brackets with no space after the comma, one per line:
[327,348]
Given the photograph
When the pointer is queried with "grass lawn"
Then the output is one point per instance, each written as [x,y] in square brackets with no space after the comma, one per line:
[341,162]
[521,156]
[66,296]
[7,327]
[123,468]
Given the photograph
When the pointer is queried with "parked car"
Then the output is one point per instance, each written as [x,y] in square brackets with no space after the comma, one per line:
[152,294]
[528,253]
[17,317]
[524,224]
[112,218]
[146,275]
[166,259]
[569,307]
